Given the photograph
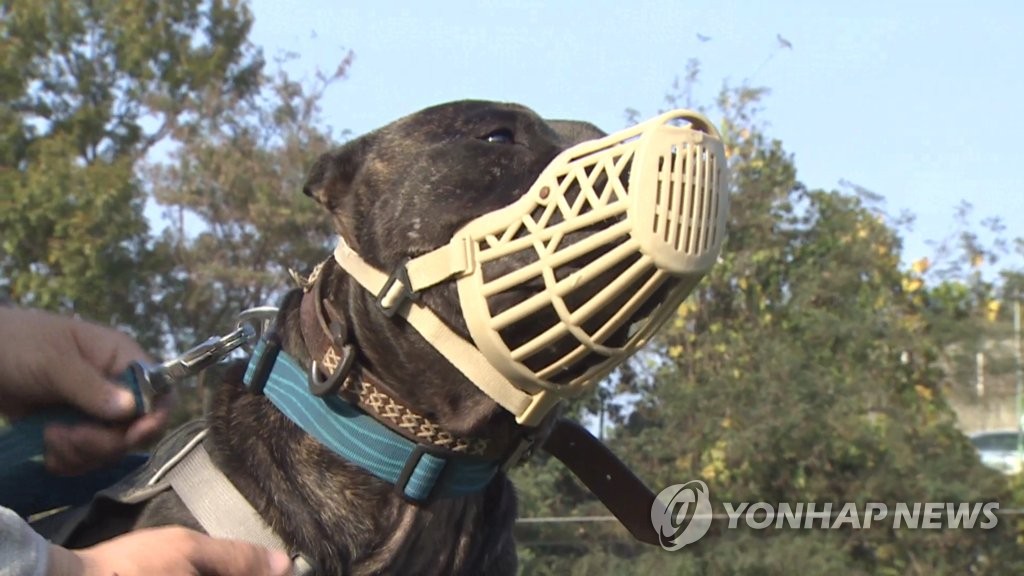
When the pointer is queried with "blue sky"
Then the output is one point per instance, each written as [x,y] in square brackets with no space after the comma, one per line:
[917,101]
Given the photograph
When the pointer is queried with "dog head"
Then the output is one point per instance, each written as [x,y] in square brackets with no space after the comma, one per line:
[407,189]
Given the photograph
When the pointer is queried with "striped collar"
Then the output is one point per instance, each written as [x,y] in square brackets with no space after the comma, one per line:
[418,472]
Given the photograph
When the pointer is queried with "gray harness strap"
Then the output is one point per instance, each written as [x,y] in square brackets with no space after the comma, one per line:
[218,506]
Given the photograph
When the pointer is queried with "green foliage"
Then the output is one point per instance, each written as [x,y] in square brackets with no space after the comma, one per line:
[71,231]
[86,89]
[231,193]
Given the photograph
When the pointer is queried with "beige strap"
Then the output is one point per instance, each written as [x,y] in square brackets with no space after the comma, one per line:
[528,409]
[430,269]
[220,508]
[436,266]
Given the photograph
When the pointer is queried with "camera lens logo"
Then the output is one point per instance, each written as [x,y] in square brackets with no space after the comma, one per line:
[681,514]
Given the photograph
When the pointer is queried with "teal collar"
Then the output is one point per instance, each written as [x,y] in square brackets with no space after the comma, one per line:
[418,472]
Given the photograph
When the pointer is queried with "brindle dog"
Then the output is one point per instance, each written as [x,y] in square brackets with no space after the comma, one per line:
[394,193]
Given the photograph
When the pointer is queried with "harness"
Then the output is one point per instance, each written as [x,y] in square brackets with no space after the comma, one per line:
[180,463]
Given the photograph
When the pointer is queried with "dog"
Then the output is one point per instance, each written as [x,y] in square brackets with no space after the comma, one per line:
[391,194]
[371,429]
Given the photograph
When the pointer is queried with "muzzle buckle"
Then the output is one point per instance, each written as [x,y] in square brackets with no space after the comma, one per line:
[397,291]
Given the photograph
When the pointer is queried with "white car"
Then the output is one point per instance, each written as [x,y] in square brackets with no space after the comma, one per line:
[998,450]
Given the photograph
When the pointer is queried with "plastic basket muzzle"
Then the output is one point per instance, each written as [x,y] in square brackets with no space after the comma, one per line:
[616,233]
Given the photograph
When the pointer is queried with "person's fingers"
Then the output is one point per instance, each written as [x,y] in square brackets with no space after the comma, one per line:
[86,388]
[59,456]
[82,447]
[214,557]
[65,562]
[102,354]
[176,551]
[146,428]
[108,350]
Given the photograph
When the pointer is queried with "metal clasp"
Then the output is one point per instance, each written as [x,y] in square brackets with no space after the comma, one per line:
[207,353]
[261,318]
[252,324]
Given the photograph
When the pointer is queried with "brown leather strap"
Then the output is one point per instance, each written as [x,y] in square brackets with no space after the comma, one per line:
[625,495]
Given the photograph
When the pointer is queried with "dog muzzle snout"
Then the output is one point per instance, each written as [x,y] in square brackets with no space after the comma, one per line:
[614,234]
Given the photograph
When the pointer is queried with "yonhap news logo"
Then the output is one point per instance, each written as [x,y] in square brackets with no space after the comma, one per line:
[913,516]
[669,514]
[682,514]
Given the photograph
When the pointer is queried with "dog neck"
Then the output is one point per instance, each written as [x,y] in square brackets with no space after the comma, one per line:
[329,508]
[390,356]
[339,516]
[335,372]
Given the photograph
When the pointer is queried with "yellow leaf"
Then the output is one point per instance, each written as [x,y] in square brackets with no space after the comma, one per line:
[923,391]
[992,310]
[880,302]
[911,285]
[687,307]
[743,283]
[921,266]
[675,351]
[708,473]
[977,260]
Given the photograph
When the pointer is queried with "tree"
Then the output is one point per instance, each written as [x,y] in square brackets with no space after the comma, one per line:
[803,369]
[232,196]
[238,225]
[86,90]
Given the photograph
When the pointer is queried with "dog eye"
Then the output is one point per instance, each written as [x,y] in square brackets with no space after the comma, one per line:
[500,136]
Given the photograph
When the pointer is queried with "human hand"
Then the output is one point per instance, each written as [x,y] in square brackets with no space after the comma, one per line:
[169,551]
[48,360]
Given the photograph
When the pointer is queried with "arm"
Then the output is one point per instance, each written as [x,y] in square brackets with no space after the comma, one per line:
[47,359]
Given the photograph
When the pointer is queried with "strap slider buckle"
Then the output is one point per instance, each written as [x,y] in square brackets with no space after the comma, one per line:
[429,478]
[397,291]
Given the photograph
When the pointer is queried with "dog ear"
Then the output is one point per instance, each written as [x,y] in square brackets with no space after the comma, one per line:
[330,179]
[573,132]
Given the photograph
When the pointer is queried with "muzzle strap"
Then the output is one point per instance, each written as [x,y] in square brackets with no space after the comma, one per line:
[453,260]
[529,410]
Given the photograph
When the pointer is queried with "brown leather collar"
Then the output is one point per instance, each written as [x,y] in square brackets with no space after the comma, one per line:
[327,339]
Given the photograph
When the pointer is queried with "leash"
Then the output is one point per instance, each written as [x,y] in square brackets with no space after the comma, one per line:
[419,472]
[24,480]
[606,476]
